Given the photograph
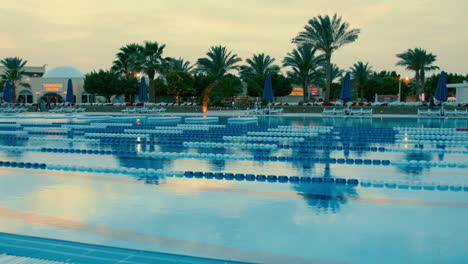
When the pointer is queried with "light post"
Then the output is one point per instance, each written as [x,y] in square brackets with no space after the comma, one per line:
[406,80]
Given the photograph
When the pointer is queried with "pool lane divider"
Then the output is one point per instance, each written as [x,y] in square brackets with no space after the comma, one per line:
[213,156]
[152,175]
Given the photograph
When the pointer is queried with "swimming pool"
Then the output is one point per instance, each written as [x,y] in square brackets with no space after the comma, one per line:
[289,189]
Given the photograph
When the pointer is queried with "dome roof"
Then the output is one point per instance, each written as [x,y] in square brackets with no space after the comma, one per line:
[63,72]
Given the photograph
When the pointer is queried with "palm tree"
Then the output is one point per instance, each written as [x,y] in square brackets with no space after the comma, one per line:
[336,73]
[149,60]
[14,72]
[178,65]
[360,73]
[304,66]
[418,60]
[126,64]
[327,34]
[218,62]
[259,64]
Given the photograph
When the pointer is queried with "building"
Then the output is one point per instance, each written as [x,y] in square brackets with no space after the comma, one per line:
[297,94]
[51,84]
[461,92]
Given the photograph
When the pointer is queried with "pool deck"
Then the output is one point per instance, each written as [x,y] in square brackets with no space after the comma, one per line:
[79,253]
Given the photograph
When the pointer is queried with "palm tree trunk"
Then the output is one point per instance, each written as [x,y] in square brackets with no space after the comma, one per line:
[13,92]
[361,86]
[422,84]
[306,89]
[152,94]
[418,84]
[327,76]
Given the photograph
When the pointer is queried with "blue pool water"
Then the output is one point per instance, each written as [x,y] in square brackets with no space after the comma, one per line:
[289,189]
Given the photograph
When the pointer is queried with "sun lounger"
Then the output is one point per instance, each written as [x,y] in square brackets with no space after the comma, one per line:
[429,112]
[276,111]
[328,111]
[450,112]
[143,110]
[256,111]
[361,112]
[339,111]
[461,112]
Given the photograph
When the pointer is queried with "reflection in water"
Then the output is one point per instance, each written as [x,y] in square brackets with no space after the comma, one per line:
[13,141]
[325,197]
[415,168]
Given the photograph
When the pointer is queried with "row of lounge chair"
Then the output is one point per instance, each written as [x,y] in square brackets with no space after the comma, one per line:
[335,111]
[60,110]
[13,110]
[441,112]
[143,110]
[264,111]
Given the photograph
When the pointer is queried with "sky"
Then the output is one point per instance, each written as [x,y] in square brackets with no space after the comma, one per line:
[87,34]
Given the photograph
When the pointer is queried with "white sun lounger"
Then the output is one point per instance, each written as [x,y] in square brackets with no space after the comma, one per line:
[276,111]
[429,112]
[328,111]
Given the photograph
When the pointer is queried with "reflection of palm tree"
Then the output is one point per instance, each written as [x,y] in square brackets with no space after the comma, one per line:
[328,197]
[14,143]
[415,169]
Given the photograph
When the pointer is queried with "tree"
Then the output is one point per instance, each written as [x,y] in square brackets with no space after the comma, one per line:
[126,63]
[229,86]
[360,73]
[304,66]
[281,85]
[201,81]
[327,34]
[178,64]
[258,64]
[14,72]
[218,62]
[179,83]
[431,82]
[383,82]
[108,83]
[149,60]
[420,61]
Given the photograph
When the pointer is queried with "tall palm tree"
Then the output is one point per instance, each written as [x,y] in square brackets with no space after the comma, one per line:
[259,64]
[149,60]
[304,66]
[327,34]
[14,71]
[360,73]
[420,61]
[219,61]
[126,63]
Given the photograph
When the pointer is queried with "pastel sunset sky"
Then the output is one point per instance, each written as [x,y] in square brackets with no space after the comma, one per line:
[88,33]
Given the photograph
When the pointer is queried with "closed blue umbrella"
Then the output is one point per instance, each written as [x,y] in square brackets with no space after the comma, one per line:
[441,93]
[268,89]
[345,93]
[69,98]
[7,93]
[142,91]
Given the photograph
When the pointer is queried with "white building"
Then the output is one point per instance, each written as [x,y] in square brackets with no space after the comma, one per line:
[52,84]
[461,91]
